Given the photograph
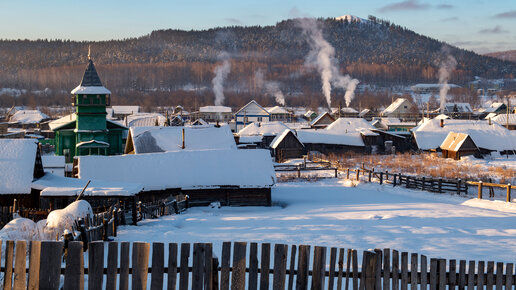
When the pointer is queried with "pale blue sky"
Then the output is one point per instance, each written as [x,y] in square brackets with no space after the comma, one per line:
[475,24]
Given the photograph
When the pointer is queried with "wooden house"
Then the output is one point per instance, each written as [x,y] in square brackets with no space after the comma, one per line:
[231,177]
[20,165]
[266,131]
[507,121]
[214,114]
[457,145]
[366,114]
[281,114]
[120,112]
[399,108]
[322,121]
[251,112]
[287,146]
[326,142]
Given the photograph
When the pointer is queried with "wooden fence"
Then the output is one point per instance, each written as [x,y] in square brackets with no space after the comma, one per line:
[307,165]
[278,266]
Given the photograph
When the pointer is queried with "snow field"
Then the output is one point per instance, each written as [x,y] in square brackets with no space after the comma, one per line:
[336,213]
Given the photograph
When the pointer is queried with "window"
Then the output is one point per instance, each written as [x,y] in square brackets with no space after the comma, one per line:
[259,119]
[246,119]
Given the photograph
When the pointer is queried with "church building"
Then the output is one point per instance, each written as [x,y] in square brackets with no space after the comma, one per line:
[87,131]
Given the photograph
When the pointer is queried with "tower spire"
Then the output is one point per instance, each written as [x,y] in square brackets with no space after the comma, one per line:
[89,52]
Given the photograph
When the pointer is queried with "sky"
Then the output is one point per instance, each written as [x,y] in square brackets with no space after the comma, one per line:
[481,26]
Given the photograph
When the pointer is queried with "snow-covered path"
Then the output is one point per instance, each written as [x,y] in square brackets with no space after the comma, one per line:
[333,213]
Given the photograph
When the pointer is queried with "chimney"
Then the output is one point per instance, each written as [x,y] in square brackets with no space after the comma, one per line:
[489,121]
[442,123]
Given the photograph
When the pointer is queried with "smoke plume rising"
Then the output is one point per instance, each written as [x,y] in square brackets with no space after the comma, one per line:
[322,57]
[271,87]
[447,64]
[221,72]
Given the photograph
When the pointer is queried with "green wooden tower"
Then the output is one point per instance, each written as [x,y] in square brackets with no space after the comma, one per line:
[87,131]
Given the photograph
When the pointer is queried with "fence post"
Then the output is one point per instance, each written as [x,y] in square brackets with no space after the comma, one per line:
[423,183]
[358,174]
[369,271]
[458,186]
[381,177]
[84,234]
[370,175]
[440,185]
[335,172]
[480,189]
[298,172]
[508,192]
[347,173]
[135,211]
[394,181]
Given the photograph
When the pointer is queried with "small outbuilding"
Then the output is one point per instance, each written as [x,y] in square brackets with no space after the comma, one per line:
[287,146]
[457,145]
[322,121]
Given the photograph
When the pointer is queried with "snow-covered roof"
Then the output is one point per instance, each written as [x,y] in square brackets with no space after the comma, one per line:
[364,112]
[63,121]
[215,109]
[277,110]
[17,161]
[263,129]
[92,144]
[351,125]
[309,113]
[80,90]
[53,185]
[432,86]
[277,140]
[442,116]
[395,106]
[494,107]
[250,139]
[454,141]
[320,117]
[460,107]
[125,110]
[145,120]
[328,137]
[348,110]
[28,117]
[430,135]
[53,161]
[502,119]
[252,108]
[184,169]
[162,139]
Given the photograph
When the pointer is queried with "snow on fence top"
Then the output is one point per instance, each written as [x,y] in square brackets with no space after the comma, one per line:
[53,185]
[184,169]
[162,139]
[352,125]
[263,129]
[328,137]
[430,134]
[17,161]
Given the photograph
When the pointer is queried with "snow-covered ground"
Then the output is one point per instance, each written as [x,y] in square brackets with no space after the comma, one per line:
[334,212]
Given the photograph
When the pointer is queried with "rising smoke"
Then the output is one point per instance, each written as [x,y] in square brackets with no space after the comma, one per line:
[270,87]
[221,72]
[446,65]
[322,57]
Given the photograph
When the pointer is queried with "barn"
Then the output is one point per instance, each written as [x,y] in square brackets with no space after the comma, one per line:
[20,164]
[457,145]
[287,146]
[231,177]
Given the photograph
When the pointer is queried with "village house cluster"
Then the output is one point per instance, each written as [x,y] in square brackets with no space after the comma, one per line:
[213,154]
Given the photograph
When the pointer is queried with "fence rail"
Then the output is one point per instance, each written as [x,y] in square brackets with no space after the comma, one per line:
[431,184]
[243,266]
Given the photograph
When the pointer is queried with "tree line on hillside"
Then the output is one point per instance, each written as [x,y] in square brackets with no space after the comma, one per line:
[169,64]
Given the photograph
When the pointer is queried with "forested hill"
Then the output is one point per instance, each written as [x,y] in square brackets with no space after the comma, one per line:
[374,51]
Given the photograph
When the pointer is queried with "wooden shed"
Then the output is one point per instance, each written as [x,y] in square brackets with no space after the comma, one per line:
[458,144]
[286,146]
[322,121]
